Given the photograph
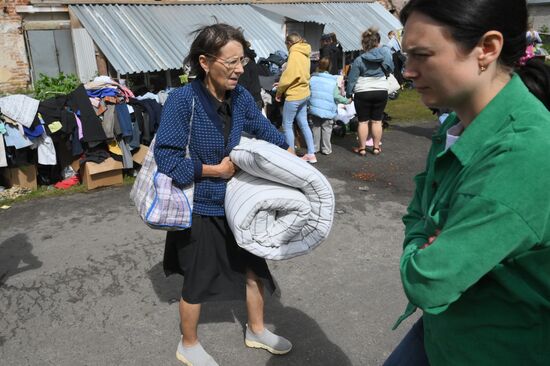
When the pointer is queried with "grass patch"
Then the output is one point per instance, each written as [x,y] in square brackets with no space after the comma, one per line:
[50,191]
[408,108]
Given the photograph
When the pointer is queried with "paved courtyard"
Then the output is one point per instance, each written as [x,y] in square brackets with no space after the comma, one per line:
[81,279]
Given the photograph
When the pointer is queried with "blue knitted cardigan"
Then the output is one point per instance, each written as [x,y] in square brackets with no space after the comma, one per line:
[207,141]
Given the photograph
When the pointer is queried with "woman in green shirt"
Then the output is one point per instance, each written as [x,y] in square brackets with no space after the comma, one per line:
[476,255]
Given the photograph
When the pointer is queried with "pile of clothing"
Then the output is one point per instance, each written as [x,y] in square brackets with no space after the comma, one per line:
[97,120]
[273,64]
[126,121]
[23,130]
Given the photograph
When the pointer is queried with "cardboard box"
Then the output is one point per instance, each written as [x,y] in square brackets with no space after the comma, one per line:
[108,173]
[139,155]
[76,165]
[22,176]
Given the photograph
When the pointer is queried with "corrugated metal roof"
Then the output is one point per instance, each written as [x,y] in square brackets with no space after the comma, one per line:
[355,19]
[313,13]
[145,38]
[86,66]
[347,20]
[264,34]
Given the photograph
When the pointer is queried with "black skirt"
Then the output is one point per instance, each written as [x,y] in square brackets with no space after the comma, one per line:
[213,266]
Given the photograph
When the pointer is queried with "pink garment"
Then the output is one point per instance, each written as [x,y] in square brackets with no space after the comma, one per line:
[370,142]
[529,54]
[127,92]
[79,124]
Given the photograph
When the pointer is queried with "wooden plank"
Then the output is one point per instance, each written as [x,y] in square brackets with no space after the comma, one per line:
[40,9]
[75,22]
[46,24]
[101,61]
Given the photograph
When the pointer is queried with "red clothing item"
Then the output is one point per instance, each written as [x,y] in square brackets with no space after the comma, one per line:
[67,183]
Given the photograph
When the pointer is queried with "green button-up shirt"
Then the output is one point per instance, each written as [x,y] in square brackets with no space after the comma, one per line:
[484,284]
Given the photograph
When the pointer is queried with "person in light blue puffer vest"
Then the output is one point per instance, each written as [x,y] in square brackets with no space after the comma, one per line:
[323,105]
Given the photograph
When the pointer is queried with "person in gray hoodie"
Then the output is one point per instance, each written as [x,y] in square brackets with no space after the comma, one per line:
[368,85]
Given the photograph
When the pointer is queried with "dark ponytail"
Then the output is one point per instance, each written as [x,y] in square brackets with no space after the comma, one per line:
[536,76]
[469,20]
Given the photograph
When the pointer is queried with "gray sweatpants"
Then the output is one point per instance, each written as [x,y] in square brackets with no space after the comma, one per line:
[322,131]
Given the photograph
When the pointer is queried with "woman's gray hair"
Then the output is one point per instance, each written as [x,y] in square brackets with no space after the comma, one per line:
[208,41]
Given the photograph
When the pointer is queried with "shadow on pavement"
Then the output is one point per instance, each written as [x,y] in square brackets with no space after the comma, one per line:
[13,252]
[347,142]
[310,344]
[167,289]
[425,130]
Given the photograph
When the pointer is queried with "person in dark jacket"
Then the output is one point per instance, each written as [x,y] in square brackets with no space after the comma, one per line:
[250,78]
[329,50]
[397,56]
[339,52]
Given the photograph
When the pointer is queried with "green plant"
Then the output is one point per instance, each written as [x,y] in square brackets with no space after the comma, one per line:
[47,87]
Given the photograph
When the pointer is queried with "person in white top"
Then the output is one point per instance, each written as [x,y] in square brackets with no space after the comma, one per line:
[393,43]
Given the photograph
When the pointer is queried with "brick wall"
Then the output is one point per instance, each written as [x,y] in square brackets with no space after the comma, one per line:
[399,4]
[14,66]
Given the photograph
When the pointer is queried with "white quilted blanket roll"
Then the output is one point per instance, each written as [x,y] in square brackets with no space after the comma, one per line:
[279,206]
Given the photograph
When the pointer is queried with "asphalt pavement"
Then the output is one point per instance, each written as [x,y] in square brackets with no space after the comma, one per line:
[81,279]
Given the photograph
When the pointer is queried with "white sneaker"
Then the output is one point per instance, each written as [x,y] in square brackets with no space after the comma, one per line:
[310,158]
[194,356]
[273,343]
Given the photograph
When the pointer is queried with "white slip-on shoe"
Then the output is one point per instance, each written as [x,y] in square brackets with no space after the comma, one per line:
[194,355]
[267,340]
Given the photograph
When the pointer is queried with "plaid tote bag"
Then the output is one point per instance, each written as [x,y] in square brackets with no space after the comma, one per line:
[159,203]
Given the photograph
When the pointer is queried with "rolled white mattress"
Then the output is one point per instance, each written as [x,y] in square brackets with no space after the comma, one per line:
[278,206]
